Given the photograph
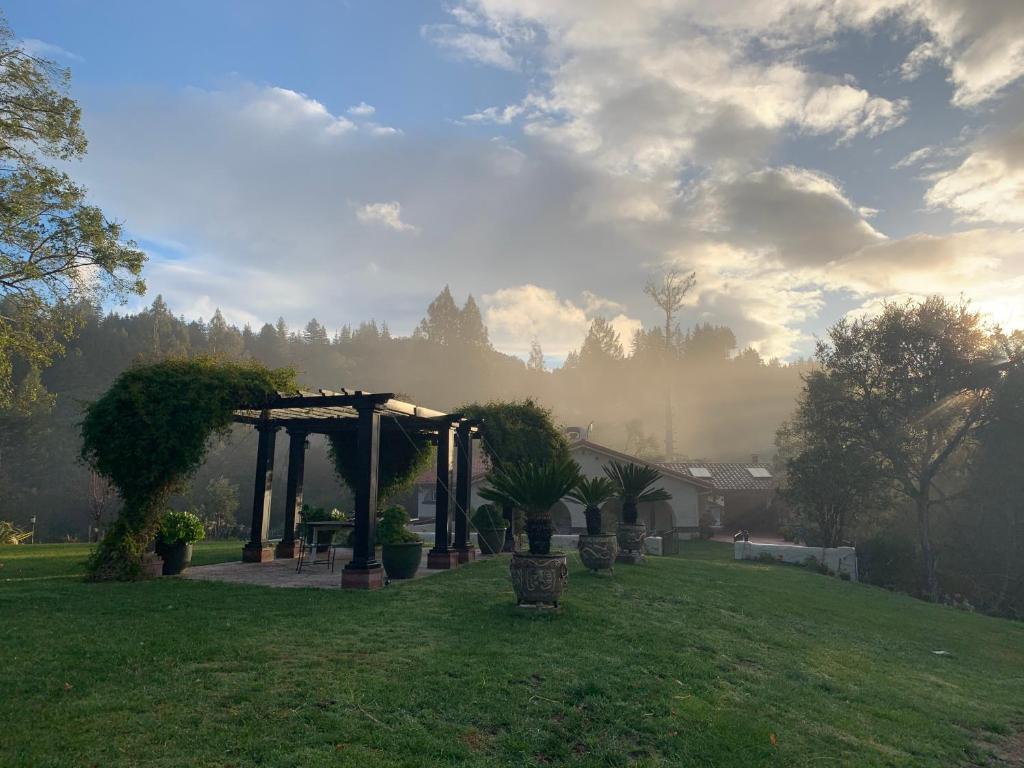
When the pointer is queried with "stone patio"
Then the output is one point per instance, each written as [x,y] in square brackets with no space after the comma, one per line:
[281,572]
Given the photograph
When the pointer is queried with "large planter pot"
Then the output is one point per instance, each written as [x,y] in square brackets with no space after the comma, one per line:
[631,542]
[597,551]
[177,557]
[490,540]
[538,579]
[401,561]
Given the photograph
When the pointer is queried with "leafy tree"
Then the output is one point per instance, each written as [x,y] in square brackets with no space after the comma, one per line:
[221,508]
[916,381]
[55,249]
[830,475]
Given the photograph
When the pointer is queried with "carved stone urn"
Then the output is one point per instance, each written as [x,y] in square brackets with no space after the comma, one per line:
[538,579]
[597,551]
[631,543]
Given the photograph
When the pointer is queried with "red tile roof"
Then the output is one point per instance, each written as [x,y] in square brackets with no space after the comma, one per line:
[727,476]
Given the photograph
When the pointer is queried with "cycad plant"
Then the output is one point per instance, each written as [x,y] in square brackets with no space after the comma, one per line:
[533,488]
[592,492]
[633,486]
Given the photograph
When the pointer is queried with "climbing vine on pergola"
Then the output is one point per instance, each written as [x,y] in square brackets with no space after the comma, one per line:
[151,430]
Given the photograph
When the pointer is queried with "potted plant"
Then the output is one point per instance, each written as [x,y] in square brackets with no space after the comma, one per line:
[174,539]
[597,549]
[490,524]
[632,484]
[401,549]
[538,576]
[314,515]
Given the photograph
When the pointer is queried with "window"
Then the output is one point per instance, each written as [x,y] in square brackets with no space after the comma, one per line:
[758,472]
[700,472]
[429,496]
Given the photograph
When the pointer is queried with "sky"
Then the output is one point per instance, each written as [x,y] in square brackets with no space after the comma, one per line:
[808,159]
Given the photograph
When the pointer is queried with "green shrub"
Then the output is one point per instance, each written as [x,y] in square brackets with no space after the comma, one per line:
[889,559]
[489,516]
[391,529]
[181,527]
[318,514]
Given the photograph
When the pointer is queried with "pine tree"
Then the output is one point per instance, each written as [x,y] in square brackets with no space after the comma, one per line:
[472,330]
[602,342]
[441,325]
[536,361]
[315,333]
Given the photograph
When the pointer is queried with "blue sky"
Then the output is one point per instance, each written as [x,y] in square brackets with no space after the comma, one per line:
[807,158]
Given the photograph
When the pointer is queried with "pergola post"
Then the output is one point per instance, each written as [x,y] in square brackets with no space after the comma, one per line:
[258,549]
[442,556]
[365,571]
[288,546]
[463,485]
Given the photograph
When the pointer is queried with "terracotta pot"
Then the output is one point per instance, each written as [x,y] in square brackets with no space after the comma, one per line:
[597,551]
[538,578]
[631,542]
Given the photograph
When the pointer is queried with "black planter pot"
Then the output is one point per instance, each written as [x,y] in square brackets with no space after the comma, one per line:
[177,557]
[401,561]
[538,579]
[490,540]
[323,540]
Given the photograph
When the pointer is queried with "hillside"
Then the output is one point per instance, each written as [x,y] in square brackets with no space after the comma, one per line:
[689,660]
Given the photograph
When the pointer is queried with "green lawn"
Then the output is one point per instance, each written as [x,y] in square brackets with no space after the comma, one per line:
[690,660]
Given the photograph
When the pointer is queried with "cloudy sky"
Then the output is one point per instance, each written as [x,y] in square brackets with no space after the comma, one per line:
[345,160]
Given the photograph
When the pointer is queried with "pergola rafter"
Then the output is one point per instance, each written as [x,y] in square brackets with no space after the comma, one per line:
[367,414]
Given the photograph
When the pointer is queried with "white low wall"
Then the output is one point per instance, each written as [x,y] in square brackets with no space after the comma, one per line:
[839,560]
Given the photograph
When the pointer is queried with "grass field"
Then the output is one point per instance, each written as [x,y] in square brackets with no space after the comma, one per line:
[689,660]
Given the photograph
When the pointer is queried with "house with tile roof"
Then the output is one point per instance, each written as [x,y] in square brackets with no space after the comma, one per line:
[742,491]
[680,515]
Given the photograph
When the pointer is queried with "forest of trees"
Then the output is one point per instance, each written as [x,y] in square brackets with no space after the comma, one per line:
[727,405]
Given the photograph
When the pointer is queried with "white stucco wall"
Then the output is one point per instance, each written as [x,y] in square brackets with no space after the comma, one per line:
[838,560]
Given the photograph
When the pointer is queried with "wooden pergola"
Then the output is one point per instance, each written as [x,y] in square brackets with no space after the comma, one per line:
[368,415]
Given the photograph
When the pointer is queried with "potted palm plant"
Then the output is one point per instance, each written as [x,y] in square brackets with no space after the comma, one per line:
[401,549]
[597,549]
[632,484]
[538,576]
[174,540]
[490,524]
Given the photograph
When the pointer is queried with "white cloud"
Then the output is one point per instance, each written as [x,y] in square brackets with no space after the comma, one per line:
[44,50]
[386,214]
[470,46]
[515,316]
[988,185]
[362,109]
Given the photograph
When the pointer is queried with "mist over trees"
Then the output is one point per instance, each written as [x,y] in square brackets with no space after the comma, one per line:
[726,405]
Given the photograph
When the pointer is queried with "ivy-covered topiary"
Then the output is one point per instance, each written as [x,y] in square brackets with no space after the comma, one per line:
[150,431]
[518,432]
[401,459]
